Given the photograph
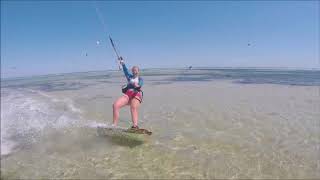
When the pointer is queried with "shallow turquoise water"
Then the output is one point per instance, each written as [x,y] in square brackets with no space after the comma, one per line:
[205,125]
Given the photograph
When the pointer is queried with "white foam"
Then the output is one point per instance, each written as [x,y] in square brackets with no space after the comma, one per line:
[96,125]
[7,146]
[25,115]
[67,101]
[71,106]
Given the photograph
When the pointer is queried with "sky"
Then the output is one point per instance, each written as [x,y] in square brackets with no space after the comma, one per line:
[48,37]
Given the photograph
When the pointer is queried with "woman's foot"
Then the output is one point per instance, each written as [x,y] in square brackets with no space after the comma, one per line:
[134,127]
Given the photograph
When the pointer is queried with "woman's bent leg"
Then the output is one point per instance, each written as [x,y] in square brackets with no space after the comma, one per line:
[119,103]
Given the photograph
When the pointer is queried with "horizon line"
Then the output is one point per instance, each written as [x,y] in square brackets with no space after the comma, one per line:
[178,68]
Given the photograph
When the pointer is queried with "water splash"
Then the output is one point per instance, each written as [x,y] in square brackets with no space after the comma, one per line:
[25,116]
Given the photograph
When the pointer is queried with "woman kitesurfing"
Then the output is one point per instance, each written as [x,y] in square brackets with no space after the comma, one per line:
[132,95]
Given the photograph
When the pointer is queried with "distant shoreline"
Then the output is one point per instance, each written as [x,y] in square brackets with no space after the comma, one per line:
[164,68]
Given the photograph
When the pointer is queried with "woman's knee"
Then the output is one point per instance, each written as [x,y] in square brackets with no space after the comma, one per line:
[134,107]
[115,105]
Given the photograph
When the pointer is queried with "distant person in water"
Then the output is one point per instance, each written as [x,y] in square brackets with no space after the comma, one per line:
[132,95]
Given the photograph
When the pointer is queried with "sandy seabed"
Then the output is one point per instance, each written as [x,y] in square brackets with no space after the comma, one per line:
[207,129]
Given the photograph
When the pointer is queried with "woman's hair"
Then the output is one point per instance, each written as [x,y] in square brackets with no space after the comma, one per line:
[135,67]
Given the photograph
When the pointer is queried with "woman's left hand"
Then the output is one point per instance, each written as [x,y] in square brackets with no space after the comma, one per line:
[120,59]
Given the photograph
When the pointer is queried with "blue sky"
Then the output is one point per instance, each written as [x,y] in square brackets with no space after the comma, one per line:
[40,37]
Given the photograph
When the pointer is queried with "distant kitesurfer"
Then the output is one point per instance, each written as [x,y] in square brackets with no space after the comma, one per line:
[132,95]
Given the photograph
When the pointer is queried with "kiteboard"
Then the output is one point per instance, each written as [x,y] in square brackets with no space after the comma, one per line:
[102,129]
